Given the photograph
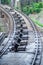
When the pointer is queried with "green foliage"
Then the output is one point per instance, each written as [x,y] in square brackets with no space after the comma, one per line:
[31,10]
[26,10]
[5,1]
[38,5]
[37,10]
[41,4]
[34,7]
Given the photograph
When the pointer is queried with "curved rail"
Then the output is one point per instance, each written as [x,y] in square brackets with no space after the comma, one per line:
[37,54]
[37,36]
[11,34]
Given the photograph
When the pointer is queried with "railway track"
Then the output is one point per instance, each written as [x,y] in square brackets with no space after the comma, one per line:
[19,40]
[9,39]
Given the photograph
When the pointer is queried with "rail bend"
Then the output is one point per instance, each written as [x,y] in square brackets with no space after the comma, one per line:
[11,33]
[21,35]
[37,41]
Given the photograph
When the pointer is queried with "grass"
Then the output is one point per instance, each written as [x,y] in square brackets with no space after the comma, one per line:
[2,28]
[37,22]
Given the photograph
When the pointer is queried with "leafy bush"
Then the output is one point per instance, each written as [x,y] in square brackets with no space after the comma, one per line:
[26,10]
[34,7]
[40,4]
[37,10]
[31,10]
